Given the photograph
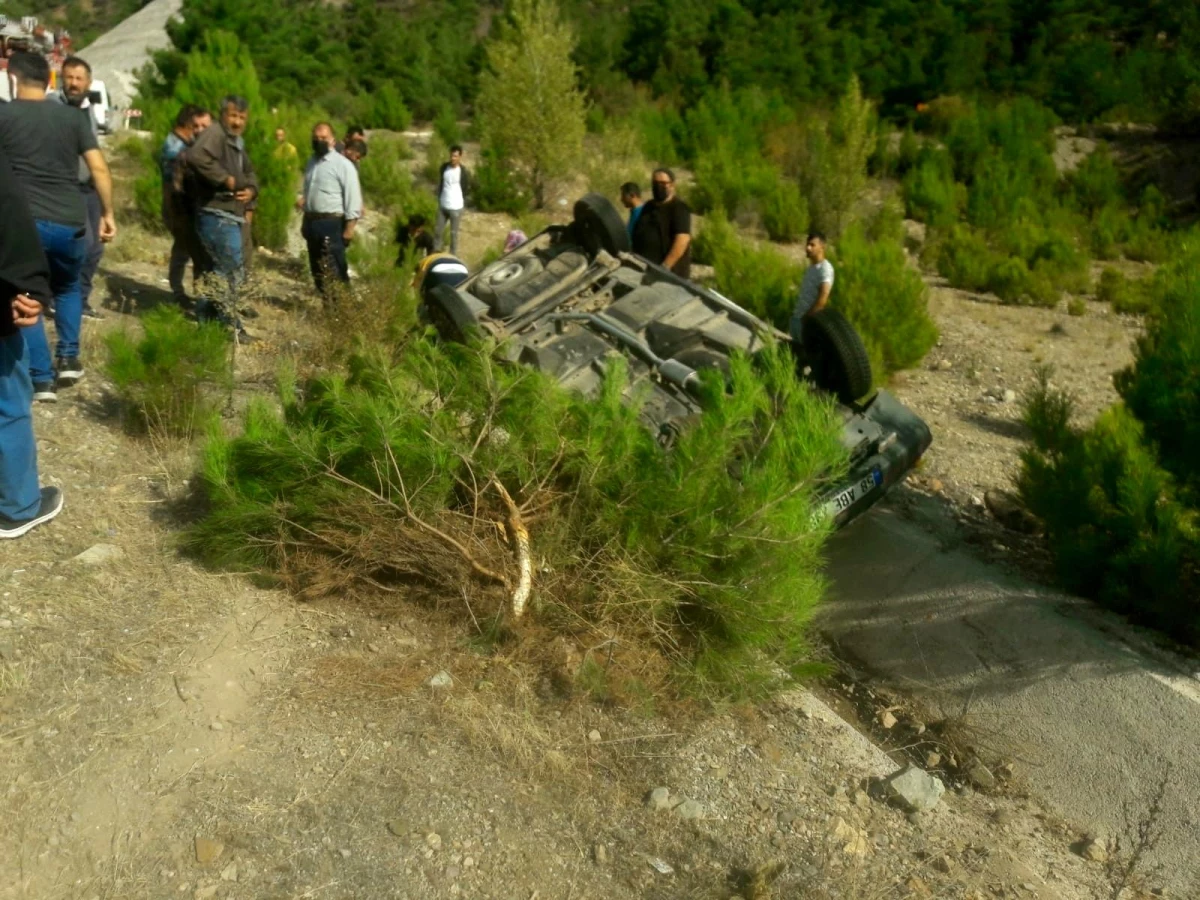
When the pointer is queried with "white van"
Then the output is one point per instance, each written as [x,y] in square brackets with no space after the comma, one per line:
[97,102]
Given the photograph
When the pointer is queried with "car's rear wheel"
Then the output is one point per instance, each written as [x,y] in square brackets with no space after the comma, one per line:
[836,355]
[599,225]
[504,277]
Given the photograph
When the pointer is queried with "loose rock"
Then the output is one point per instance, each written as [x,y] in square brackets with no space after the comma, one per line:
[98,555]
[230,872]
[600,854]
[396,827]
[594,736]
[1010,512]
[887,720]
[933,760]
[914,789]
[659,799]
[1094,849]
[208,850]
[441,680]
[980,776]
[690,810]
[661,866]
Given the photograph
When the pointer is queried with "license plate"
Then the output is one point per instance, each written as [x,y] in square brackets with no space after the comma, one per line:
[848,496]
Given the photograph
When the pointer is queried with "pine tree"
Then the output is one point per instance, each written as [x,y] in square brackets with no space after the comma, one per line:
[836,173]
[531,109]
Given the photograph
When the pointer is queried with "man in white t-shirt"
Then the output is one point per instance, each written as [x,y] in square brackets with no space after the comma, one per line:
[816,285]
[453,187]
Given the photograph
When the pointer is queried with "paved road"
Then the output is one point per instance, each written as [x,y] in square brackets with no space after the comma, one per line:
[117,56]
[1094,713]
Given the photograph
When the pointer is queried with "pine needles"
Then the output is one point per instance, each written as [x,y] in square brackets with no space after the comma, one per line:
[381,482]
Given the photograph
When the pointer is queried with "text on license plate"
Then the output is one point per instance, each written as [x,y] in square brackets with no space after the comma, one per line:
[845,498]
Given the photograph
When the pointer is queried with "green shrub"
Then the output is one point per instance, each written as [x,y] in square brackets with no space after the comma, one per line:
[388,110]
[172,380]
[1114,522]
[446,127]
[1162,388]
[885,299]
[785,213]
[759,279]
[1076,306]
[931,195]
[498,187]
[1095,185]
[1124,294]
[387,180]
[666,547]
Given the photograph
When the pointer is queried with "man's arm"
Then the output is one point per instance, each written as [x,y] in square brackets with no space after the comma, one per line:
[102,179]
[678,248]
[681,225]
[206,163]
[352,202]
[822,297]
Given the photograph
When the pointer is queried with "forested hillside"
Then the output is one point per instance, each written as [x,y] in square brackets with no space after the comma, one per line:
[1085,60]
[85,19]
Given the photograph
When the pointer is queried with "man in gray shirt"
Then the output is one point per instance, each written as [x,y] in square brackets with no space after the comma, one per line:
[332,204]
[44,142]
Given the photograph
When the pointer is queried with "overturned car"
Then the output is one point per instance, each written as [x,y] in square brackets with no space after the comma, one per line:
[572,295]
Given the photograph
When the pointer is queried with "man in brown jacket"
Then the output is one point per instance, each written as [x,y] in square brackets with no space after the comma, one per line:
[221,182]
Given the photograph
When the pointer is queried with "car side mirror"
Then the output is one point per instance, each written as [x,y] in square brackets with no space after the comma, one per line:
[94,97]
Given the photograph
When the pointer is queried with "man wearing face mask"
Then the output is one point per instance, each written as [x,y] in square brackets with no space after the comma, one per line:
[331,201]
[663,231]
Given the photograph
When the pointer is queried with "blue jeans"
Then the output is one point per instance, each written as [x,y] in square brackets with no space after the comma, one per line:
[223,242]
[65,247]
[20,497]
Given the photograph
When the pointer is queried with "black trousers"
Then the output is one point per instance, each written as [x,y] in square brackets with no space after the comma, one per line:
[326,252]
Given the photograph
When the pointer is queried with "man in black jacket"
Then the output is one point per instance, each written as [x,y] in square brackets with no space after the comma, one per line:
[454,183]
[24,286]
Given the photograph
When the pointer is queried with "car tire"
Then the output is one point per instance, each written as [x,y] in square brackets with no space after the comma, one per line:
[450,315]
[836,355]
[599,225]
[505,276]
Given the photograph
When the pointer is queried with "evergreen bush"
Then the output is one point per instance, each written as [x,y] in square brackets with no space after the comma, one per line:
[721,571]
[173,379]
[885,299]
[387,109]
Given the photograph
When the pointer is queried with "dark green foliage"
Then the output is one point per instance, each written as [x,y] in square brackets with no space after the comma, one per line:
[931,194]
[1118,531]
[1120,499]
[497,187]
[387,110]
[387,181]
[1162,389]
[172,380]
[668,545]
[758,278]
[1129,296]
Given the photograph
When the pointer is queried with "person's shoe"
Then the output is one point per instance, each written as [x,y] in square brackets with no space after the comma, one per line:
[90,313]
[51,506]
[45,392]
[70,370]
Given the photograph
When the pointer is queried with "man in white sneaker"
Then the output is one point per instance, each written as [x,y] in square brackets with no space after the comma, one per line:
[453,187]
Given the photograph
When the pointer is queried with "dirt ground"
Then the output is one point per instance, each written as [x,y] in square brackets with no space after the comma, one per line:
[167,731]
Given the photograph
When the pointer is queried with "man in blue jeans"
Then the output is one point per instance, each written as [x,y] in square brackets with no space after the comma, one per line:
[24,285]
[220,182]
[44,142]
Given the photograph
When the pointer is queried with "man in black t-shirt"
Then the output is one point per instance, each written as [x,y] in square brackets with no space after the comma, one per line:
[663,232]
[44,142]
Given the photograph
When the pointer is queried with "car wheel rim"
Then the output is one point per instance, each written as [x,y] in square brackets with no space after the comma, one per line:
[505,274]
